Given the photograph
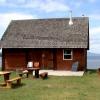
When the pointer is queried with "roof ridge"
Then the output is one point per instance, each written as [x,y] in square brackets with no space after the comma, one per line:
[64,18]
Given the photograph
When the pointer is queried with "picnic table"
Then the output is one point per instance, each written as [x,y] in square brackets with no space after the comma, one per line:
[30,70]
[6,75]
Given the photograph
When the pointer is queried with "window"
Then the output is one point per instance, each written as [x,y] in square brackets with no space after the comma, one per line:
[67,54]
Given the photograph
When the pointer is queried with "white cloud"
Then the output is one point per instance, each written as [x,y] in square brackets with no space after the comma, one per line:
[95,30]
[92,1]
[77,4]
[95,48]
[2,1]
[95,39]
[95,16]
[46,5]
[7,17]
[51,6]
[12,3]
[19,1]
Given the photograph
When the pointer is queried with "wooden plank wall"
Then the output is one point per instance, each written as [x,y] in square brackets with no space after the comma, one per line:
[48,58]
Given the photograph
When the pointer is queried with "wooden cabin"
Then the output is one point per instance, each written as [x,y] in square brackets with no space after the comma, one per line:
[52,42]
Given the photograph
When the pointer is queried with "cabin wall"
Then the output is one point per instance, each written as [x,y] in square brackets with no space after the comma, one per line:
[43,56]
[81,56]
[78,55]
[13,59]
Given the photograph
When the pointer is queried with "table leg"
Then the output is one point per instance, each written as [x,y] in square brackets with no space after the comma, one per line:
[6,77]
[30,72]
[37,73]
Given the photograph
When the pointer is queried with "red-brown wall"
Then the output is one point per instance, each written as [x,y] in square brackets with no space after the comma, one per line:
[13,60]
[78,55]
[43,56]
[48,58]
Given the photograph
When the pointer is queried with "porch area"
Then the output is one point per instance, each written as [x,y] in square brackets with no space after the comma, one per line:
[62,73]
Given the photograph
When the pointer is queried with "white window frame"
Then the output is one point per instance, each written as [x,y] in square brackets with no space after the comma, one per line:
[68,54]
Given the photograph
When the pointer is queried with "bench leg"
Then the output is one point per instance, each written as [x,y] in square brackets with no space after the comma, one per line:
[27,75]
[19,82]
[9,84]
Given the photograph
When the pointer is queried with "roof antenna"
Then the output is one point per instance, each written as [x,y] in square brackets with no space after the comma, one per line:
[70,21]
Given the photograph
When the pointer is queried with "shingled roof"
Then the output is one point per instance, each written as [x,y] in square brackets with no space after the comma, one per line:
[47,33]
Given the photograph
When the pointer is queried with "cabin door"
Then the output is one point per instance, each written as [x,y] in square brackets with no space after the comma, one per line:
[47,59]
[43,56]
[35,56]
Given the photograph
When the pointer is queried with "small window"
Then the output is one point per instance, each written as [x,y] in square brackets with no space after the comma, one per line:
[67,54]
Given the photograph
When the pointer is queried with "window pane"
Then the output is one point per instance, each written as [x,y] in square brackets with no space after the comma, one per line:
[67,56]
[67,51]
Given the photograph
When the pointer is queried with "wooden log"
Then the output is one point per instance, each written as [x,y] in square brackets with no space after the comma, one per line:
[44,75]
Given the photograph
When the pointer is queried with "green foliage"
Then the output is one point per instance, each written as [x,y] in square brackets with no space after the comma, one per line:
[55,88]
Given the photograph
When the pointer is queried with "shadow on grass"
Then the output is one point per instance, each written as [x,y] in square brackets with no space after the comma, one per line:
[14,86]
[91,71]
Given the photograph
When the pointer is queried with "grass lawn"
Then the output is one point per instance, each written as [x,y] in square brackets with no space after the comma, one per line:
[55,88]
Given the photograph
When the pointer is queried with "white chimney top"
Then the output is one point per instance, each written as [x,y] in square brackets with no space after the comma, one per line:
[70,21]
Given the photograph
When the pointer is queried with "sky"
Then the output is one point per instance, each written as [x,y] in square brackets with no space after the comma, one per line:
[39,9]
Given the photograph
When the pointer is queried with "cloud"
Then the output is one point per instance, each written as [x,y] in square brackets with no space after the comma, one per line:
[92,1]
[16,2]
[7,17]
[77,4]
[95,33]
[2,1]
[12,3]
[95,30]
[95,39]
[53,5]
[95,48]
[95,16]
[44,5]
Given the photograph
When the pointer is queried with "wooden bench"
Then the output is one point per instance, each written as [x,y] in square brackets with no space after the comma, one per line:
[44,75]
[9,82]
[24,73]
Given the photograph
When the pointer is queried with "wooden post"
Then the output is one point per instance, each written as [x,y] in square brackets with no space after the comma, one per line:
[19,81]
[3,59]
[9,84]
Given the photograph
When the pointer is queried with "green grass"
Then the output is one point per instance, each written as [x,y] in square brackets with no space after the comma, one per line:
[56,88]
